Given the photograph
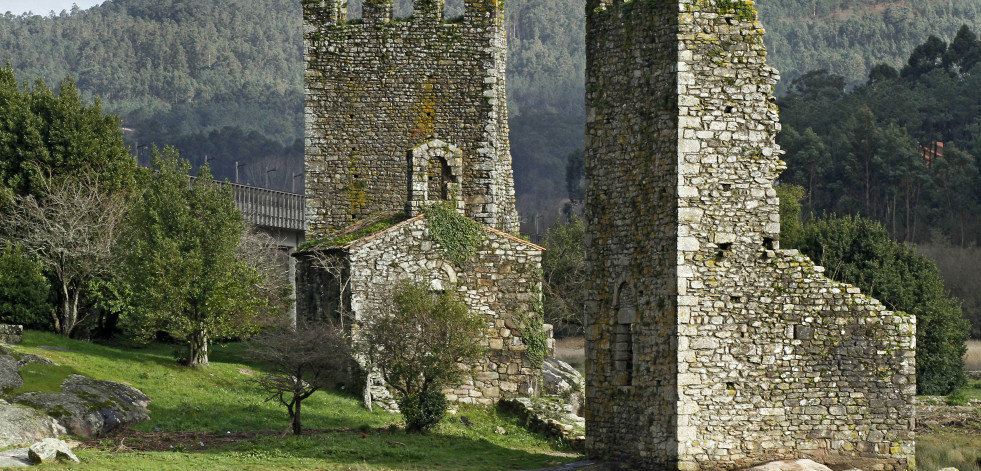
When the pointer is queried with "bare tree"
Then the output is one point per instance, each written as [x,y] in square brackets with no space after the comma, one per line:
[72,229]
[260,252]
[335,266]
[300,362]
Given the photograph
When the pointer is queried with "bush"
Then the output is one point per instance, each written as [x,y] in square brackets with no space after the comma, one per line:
[417,347]
[422,411]
[23,290]
[860,252]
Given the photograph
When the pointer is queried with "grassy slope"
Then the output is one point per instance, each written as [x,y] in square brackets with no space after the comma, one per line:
[220,398]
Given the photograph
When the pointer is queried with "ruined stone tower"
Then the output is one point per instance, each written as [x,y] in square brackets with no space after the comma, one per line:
[707,346]
[380,86]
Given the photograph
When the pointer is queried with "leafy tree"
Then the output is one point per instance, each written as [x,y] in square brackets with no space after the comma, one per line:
[791,229]
[299,362]
[925,57]
[72,230]
[564,272]
[46,135]
[417,346]
[180,261]
[23,290]
[860,252]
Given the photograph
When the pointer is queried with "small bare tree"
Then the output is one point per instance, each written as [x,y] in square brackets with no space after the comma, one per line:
[72,229]
[337,283]
[300,362]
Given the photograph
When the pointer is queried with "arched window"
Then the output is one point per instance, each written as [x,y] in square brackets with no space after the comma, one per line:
[434,172]
[623,341]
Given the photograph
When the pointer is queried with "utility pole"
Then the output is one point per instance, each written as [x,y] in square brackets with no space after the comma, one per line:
[237,165]
[294,181]
[268,171]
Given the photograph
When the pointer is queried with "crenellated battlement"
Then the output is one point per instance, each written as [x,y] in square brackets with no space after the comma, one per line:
[382,12]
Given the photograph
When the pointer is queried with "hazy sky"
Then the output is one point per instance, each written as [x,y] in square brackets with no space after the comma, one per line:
[42,7]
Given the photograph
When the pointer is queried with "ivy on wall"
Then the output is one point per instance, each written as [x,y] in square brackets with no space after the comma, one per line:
[457,235]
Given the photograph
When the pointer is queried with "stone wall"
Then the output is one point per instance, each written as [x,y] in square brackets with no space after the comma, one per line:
[707,346]
[501,284]
[379,86]
[11,334]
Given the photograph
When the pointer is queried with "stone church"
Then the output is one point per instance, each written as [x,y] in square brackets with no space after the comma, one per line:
[401,113]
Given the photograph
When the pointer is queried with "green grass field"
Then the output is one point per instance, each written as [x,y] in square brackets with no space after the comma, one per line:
[220,399]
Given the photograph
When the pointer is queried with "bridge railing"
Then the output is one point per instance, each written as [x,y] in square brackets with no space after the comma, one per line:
[268,208]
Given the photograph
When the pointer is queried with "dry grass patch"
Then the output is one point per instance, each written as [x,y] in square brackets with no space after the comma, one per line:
[973,358]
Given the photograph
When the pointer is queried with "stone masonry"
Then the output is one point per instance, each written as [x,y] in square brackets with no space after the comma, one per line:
[708,347]
[380,86]
[502,284]
[401,113]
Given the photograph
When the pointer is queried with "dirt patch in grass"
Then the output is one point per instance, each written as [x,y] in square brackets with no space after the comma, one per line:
[129,440]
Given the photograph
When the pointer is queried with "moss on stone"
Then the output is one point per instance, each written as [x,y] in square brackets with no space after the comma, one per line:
[368,227]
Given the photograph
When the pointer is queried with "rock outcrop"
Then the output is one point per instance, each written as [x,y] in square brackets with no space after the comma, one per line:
[88,407]
[16,458]
[21,425]
[85,407]
[564,381]
[50,450]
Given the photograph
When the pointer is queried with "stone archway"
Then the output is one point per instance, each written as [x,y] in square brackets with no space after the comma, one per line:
[442,184]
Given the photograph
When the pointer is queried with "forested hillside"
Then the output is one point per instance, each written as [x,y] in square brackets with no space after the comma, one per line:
[849,37]
[223,80]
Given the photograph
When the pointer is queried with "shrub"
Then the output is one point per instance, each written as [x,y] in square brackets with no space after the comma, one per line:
[417,346]
[23,290]
[422,411]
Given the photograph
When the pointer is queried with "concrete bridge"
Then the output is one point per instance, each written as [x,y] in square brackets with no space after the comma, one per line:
[277,213]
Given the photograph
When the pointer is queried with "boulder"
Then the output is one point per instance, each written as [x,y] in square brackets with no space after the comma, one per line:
[16,458]
[28,358]
[9,378]
[799,465]
[564,381]
[90,407]
[50,450]
[20,426]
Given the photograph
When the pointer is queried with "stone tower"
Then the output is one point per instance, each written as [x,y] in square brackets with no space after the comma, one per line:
[379,87]
[707,346]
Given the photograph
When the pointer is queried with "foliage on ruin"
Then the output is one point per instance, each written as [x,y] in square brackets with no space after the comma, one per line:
[418,345]
[860,252]
[458,236]
[740,8]
[371,226]
[533,336]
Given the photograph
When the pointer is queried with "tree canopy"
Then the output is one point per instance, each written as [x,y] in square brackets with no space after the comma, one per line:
[180,260]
